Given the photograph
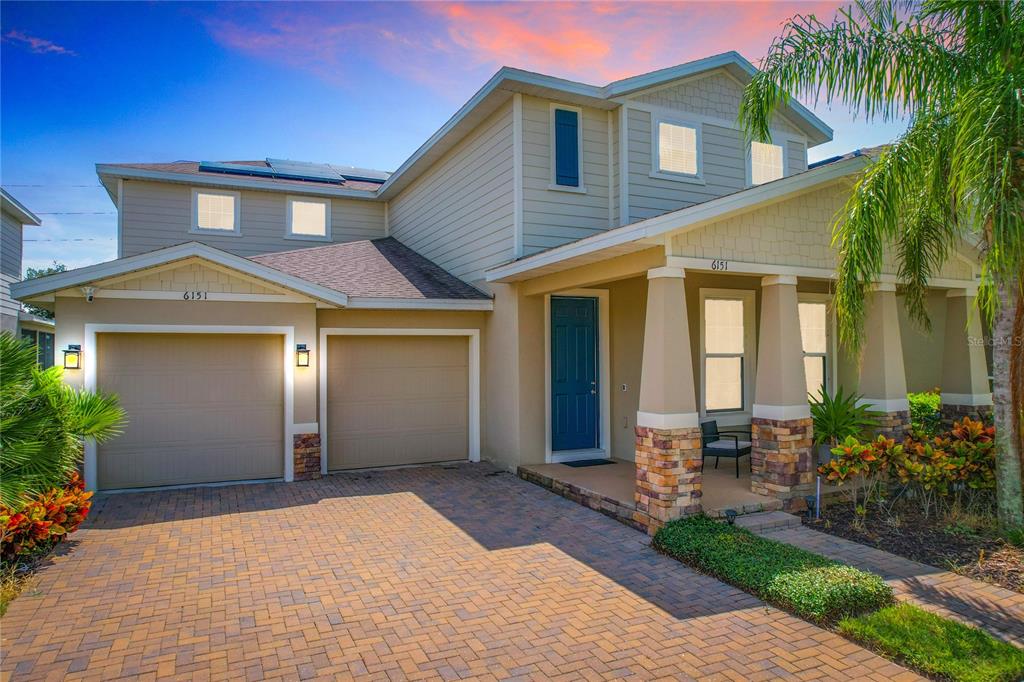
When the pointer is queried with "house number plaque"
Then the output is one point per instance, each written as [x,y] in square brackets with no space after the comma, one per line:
[719,265]
[196,296]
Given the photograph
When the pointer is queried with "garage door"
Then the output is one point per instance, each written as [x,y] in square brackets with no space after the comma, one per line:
[396,400]
[202,408]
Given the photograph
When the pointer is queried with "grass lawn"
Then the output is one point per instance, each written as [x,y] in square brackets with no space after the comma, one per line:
[935,645]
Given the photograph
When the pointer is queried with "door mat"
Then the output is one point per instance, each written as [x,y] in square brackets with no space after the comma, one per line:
[588,463]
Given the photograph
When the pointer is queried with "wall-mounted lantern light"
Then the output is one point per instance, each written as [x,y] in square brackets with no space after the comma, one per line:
[301,355]
[73,356]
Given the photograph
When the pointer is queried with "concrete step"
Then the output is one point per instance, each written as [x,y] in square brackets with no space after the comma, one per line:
[772,520]
[768,504]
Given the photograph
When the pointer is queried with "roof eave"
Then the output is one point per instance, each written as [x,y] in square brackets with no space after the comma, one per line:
[113,171]
[19,210]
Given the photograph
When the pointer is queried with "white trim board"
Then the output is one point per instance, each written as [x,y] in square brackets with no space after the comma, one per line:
[604,375]
[474,377]
[89,369]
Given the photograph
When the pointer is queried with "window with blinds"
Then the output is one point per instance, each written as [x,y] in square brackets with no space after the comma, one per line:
[677,149]
[765,162]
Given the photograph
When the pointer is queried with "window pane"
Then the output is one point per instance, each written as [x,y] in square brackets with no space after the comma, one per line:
[567,148]
[216,212]
[309,218]
[723,325]
[812,327]
[814,371]
[765,162]
[723,383]
[677,148]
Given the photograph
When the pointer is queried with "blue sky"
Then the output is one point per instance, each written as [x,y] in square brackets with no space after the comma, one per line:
[352,83]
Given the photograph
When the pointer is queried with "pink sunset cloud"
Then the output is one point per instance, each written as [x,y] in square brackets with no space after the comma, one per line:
[36,45]
[440,44]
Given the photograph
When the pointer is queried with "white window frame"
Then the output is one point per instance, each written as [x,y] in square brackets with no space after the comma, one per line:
[552,184]
[748,296]
[288,234]
[778,141]
[656,170]
[831,370]
[237,196]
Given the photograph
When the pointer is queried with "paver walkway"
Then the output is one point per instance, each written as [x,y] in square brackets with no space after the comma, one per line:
[405,574]
[998,610]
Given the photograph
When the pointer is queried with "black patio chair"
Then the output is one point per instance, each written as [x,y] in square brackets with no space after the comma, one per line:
[713,445]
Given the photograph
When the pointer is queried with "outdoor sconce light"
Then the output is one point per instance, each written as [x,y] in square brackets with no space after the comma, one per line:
[301,355]
[73,356]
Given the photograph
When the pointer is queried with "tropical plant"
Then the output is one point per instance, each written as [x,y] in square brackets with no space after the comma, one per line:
[955,177]
[840,417]
[925,418]
[862,466]
[42,423]
[44,519]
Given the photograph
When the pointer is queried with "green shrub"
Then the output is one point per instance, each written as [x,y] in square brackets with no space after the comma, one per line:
[840,417]
[935,645]
[925,418]
[804,583]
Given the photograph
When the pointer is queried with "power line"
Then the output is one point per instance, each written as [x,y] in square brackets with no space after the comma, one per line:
[53,185]
[79,239]
[74,212]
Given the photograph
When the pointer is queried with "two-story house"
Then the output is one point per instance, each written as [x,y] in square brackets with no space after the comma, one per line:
[562,272]
[37,330]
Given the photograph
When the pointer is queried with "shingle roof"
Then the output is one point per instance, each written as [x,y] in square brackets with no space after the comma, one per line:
[377,268]
[192,168]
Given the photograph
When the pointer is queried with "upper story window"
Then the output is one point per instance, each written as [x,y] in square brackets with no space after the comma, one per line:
[215,211]
[677,150]
[766,163]
[814,337]
[309,218]
[566,148]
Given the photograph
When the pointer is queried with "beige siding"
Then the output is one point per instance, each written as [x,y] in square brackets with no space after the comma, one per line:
[396,400]
[192,276]
[553,217]
[796,156]
[459,213]
[10,246]
[795,232]
[210,410]
[156,214]
[724,166]
[715,94]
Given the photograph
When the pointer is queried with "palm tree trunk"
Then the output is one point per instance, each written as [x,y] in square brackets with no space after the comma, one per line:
[1009,503]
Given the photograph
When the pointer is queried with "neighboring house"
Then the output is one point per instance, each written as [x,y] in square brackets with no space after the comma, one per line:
[38,330]
[562,271]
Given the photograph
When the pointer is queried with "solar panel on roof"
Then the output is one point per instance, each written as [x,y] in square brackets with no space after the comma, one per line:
[235,168]
[296,170]
[302,169]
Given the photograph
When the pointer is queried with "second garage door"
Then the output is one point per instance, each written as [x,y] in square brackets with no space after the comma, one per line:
[395,400]
[202,408]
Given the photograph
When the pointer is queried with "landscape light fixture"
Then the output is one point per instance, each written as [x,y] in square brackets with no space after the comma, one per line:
[730,516]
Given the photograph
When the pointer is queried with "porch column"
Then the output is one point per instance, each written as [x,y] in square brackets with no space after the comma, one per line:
[883,381]
[781,460]
[965,387]
[668,479]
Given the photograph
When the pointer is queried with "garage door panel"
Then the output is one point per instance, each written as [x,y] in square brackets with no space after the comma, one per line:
[396,400]
[201,408]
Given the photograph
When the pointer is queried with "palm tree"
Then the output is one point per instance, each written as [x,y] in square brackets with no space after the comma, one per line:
[956,68]
[42,423]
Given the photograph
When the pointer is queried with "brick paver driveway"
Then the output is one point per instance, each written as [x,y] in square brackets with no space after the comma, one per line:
[413,573]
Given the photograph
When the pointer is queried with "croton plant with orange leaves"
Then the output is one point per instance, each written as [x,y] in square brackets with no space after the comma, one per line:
[44,519]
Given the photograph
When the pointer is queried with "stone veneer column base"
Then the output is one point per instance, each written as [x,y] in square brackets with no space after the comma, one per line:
[895,425]
[782,459]
[668,478]
[306,453]
[955,413]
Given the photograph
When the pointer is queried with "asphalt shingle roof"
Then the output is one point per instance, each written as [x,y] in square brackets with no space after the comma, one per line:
[192,168]
[377,268]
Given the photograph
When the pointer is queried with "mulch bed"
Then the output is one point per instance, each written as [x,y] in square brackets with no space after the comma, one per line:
[931,541]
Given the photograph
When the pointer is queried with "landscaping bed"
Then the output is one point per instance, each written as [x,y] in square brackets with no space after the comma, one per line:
[967,546]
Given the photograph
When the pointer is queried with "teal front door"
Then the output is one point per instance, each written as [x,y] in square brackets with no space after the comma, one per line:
[574,379]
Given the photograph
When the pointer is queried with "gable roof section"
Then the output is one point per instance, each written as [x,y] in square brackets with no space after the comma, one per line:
[18,209]
[652,231]
[376,269]
[41,286]
[380,273]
